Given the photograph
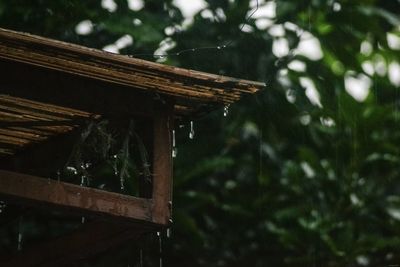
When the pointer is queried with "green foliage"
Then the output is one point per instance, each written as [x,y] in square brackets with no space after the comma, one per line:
[280,181]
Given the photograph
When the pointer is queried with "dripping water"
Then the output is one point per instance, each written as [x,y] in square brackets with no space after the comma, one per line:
[168,232]
[174,149]
[20,234]
[191,133]
[122,181]
[226,110]
[82,180]
[115,168]
[58,175]
[160,248]
[82,184]
[2,206]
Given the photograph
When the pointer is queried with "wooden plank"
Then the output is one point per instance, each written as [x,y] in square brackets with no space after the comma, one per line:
[30,190]
[91,239]
[162,171]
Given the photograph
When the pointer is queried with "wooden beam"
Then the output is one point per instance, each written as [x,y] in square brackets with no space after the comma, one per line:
[34,191]
[92,238]
[162,171]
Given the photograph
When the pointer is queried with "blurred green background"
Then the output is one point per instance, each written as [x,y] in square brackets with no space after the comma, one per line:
[305,173]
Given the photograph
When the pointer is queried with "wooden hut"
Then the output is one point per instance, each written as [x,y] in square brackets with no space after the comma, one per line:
[49,91]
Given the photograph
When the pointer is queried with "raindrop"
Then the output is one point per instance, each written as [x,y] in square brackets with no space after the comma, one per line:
[82,180]
[168,232]
[72,169]
[58,175]
[115,168]
[122,181]
[218,47]
[193,49]
[19,247]
[2,206]
[19,241]
[174,149]
[83,166]
[160,248]
[226,110]
[191,133]
[82,184]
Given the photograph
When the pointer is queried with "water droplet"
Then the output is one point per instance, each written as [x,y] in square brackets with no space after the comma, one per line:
[20,235]
[122,183]
[193,49]
[226,110]
[218,47]
[191,133]
[72,169]
[82,180]
[174,149]
[19,241]
[58,175]
[168,232]
[83,220]
[2,206]
[160,248]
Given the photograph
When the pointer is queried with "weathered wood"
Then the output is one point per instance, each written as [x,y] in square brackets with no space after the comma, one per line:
[58,93]
[61,103]
[91,239]
[162,171]
[31,190]
[123,70]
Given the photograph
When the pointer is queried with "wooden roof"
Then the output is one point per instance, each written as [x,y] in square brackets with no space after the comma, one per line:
[184,84]
[24,121]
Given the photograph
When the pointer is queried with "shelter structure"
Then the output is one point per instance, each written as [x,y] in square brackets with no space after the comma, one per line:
[50,92]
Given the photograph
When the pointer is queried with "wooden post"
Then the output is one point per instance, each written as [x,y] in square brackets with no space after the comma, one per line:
[162,171]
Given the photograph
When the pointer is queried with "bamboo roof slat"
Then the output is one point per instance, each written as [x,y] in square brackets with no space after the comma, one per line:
[140,74]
